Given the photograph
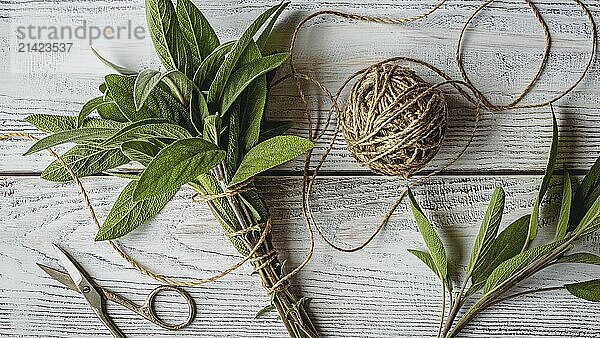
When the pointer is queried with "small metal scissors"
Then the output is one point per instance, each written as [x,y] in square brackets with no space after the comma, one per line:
[77,279]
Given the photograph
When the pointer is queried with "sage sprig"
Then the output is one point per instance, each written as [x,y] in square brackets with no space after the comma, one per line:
[500,261]
[197,122]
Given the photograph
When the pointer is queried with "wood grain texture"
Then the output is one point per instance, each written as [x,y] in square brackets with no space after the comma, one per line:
[380,292]
[501,53]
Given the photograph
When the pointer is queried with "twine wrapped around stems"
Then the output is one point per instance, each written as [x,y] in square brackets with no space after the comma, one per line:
[394,121]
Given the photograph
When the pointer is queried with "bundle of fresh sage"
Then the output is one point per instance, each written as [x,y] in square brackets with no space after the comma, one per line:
[199,123]
[500,261]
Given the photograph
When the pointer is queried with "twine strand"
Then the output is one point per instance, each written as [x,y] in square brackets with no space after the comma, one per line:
[265,227]
[473,95]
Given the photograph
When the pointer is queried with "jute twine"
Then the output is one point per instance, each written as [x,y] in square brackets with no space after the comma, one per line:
[405,106]
[393,121]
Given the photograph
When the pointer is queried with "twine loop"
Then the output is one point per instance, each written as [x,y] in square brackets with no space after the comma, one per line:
[414,110]
[236,190]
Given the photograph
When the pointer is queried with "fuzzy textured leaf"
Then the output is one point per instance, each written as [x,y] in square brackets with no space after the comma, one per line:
[488,230]
[198,111]
[534,221]
[158,105]
[84,160]
[146,129]
[210,65]
[589,290]
[126,214]
[248,73]
[88,108]
[71,136]
[269,154]
[200,36]
[226,68]
[426,258]
[177,164]
[148,79]
[565,208]
[517,264]
[169,42]
[140,151]
[119,69]
[508,244]
[582,258]
[263,39]
[430,237]
[52,123]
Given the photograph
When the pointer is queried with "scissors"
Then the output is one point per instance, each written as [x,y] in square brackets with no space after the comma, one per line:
[77,279]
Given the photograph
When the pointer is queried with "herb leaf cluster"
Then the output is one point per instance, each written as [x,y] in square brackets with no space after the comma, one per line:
[205,109]
[499,261]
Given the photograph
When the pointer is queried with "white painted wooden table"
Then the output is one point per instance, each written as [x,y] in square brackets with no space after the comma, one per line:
[381,291]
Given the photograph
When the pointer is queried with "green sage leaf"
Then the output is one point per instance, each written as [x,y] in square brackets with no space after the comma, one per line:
[252,101]
[159,104]
[583,197]
[264,311]
[143,86]
[508,244]
[177,164]
[126,214]
[119,69]
[565,208]
[84,160]
[589,290]
[488,230]
[269,154]
[88,108]
[140,151]
[169,41]
[198,111]
[248,73]
[200,36]
[517,264]
[52,123]
[212,129]
[71,136]
[535,219]
[430,237]
[426,258]
[590,220]
[148,79]
[110,111]
[582,258]
[146,129]
[263,39]
[216,88]
[233,146]
[210,65]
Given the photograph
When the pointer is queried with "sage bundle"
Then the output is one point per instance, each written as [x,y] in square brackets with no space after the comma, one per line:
[200,124]
[500,261]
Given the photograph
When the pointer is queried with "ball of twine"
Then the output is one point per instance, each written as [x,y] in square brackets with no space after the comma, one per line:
[394,121]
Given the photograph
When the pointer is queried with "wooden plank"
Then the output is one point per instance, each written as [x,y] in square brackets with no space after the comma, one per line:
[381,291]
[501,53]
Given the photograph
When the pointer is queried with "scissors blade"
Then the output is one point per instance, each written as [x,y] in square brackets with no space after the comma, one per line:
[72,268]
[60,276]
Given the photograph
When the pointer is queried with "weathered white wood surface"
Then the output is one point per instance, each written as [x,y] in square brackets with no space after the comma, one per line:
[501,54]
[379,292]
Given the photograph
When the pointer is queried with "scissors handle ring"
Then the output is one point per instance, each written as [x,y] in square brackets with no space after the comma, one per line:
[151,310]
